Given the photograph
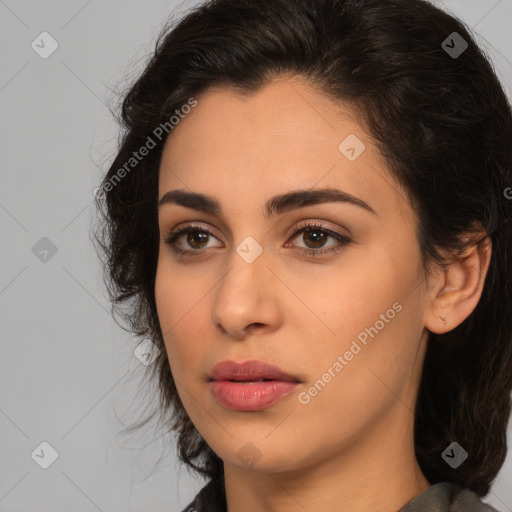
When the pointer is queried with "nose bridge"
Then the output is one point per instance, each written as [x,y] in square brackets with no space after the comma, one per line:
[242,296]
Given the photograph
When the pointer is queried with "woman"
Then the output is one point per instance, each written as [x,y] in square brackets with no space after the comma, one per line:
[308,215]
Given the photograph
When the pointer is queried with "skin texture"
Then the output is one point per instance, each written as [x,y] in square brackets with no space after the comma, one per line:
[351,446]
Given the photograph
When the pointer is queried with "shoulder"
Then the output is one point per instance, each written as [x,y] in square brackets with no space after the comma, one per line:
[468,500]
[211,498]
[440,497]
[447,497]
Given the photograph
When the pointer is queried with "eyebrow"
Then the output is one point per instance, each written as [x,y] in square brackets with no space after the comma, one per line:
[273,206]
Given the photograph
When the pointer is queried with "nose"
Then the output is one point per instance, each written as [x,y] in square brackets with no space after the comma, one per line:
[246,298]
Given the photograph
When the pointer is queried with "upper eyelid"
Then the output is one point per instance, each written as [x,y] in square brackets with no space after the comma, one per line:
[191,226]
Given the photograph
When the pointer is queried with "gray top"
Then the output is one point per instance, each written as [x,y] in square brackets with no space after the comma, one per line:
[440,497]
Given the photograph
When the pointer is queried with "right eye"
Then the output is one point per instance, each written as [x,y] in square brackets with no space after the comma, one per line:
[195,236]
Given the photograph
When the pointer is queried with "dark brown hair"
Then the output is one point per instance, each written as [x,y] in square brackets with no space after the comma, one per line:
[442,122]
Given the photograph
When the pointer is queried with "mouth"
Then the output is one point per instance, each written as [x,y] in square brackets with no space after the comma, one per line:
[250,386]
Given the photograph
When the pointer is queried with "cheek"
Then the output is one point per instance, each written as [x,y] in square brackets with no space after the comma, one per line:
[177,292]
[170,298]
[370,380]
[348,297]
[370,313]
[181,308]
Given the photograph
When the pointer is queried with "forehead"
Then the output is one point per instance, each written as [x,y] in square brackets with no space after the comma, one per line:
[285,111]
[286,135]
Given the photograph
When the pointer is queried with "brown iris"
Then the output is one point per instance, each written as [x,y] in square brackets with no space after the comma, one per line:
[318,238]
[196,237]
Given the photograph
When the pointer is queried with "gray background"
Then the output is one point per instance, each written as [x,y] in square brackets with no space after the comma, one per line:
[68,376]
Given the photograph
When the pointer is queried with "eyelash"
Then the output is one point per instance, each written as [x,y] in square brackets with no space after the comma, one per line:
[309,226]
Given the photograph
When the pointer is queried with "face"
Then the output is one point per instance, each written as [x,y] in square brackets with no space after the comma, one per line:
[328,288]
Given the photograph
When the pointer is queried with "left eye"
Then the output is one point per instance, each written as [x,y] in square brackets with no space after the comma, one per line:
[315,236]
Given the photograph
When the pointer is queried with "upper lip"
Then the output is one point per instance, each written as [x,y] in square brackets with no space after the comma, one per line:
[249,371]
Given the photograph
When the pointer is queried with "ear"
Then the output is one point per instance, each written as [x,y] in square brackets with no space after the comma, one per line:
[454,291]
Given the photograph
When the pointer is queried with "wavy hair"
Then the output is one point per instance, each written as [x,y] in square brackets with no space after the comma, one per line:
[443,124]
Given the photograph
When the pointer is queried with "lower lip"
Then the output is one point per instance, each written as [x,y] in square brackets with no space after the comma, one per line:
[251,396]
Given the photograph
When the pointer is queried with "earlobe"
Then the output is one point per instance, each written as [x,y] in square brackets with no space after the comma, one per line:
[457,288]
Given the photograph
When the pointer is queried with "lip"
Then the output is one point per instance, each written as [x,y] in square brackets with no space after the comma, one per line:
[250,371]
[234,385]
